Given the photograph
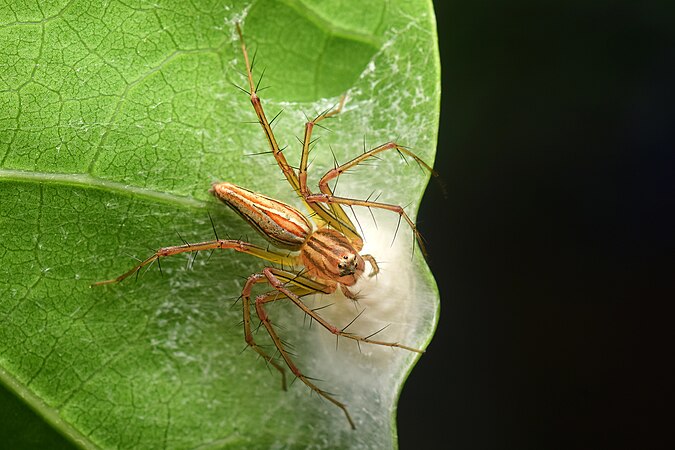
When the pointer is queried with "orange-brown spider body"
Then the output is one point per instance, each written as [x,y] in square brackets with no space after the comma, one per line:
[324,252]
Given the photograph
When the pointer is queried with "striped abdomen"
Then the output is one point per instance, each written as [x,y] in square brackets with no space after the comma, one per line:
[280,223]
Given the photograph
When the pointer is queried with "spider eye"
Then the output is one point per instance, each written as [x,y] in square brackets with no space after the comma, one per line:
[345,257]
[341,266]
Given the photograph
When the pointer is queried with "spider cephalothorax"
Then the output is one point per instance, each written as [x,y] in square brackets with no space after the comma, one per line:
[327,254]
[320,255]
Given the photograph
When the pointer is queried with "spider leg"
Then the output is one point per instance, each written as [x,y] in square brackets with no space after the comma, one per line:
[291,176]
[338,219]
[276,278]
[354,202]
[240,246]
[288,171]
[288,283]
[248,335]
[327,196]
[260,302]
[264,298]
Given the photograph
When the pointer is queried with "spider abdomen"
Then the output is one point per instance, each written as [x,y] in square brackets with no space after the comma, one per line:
[281,224]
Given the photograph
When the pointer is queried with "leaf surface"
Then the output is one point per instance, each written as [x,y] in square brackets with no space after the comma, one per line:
[115,118]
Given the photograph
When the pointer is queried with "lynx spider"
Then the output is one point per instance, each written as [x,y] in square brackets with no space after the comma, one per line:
[325,255]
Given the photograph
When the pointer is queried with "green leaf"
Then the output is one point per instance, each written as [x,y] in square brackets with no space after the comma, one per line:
[115,118]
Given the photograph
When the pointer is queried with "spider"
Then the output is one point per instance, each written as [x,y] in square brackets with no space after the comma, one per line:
[324,255]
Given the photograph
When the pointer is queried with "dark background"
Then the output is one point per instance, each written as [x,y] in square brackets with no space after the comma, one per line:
[551,246]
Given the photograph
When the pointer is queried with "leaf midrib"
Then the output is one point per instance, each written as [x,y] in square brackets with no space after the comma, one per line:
[88,181]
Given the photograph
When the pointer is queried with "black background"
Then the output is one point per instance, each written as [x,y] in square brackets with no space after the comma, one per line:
[553,246]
